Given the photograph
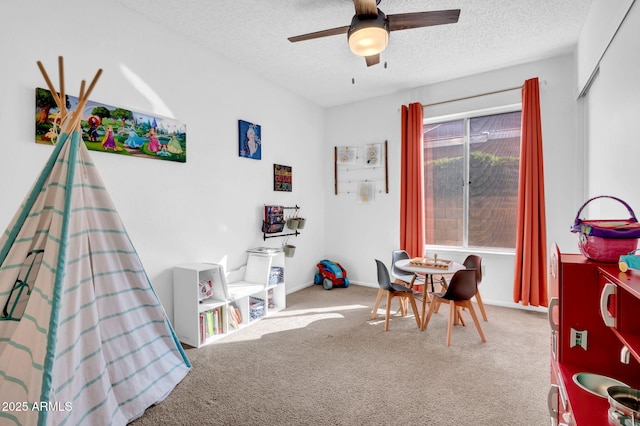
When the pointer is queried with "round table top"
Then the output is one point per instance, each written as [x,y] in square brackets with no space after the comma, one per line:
[405,266]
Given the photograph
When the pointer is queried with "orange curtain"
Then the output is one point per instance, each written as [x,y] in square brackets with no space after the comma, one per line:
[530,283]
[412,182]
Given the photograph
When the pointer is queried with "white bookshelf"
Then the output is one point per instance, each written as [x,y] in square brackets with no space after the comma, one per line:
[257,289]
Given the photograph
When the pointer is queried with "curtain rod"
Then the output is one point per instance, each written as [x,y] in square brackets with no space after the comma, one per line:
[472,96]
[540,83]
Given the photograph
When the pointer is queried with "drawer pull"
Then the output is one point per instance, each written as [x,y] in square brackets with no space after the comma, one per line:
[552,303]
[552,403]
[608,290]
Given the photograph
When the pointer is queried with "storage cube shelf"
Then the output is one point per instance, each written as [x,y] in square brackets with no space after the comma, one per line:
[259,292]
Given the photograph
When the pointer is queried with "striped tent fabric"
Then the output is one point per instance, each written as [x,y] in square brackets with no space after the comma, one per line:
[84,339]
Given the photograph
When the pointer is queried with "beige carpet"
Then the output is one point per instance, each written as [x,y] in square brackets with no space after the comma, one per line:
[322,361]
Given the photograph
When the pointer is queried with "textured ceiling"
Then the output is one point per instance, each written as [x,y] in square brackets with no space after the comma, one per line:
[253,33]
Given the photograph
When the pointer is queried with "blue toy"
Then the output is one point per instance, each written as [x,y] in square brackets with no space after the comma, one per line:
[629,261]
[331,274]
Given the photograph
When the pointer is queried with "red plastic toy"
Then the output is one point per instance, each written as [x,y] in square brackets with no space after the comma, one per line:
[331,274]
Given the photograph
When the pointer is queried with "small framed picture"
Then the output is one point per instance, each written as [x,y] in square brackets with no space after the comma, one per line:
[366,192]
[282,178]
[372,155]
[347,155]
[249,140]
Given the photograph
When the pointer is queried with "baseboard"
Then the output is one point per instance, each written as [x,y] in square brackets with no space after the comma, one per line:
[485,301]
[515,306]
[310,284]
[299,287]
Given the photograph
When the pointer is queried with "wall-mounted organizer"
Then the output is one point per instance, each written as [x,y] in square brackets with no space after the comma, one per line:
[278,221]
[361,170]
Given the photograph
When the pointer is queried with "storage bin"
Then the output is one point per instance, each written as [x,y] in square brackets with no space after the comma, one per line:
[606,240]
[256,308]
[276,275]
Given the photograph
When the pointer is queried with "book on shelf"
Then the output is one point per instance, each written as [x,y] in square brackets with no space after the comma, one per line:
[235,317]
[238,312]
[223,319]
[212,323]
[233,321]
[203,327]
[210,327]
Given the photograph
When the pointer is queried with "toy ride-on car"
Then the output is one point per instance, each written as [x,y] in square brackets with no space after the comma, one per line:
[331,274]
[629,261]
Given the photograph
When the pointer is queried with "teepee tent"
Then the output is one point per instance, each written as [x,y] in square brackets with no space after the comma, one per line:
[83,337]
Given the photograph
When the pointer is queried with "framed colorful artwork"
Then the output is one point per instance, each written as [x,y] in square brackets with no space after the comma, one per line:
[372,155]
[282,178]
[114,129]
[249,140]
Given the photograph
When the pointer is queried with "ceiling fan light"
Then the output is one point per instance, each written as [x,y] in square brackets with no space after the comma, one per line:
[368,41]
[368,36]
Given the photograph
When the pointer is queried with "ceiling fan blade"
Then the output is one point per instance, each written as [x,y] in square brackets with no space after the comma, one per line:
[318,34]
[372,60]
[405,21]
[366,7]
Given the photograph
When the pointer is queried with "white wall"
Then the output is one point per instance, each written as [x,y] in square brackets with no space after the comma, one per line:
[358,233]
[600,27]
[612,109]
[207,209]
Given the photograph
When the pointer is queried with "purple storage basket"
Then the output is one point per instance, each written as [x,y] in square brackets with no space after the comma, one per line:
[606,240]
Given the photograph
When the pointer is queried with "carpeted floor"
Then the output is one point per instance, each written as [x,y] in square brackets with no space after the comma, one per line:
[322,361]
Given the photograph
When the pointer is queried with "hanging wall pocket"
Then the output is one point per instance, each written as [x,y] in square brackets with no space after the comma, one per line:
[273,219]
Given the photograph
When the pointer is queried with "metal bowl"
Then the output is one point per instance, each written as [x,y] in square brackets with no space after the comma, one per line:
[595,383]
[625,400]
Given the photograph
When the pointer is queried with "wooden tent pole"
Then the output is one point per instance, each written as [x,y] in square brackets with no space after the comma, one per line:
[83,99]
[83,83]
[60,100]
[63,99]
[56,98]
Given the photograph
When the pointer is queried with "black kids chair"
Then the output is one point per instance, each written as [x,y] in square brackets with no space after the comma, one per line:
[399,277]
[473,261]
[394,290]
[461,289]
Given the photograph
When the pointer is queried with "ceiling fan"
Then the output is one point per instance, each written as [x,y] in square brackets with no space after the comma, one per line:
[368,33]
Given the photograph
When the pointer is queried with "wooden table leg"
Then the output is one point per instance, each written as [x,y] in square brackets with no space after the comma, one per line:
[425,296]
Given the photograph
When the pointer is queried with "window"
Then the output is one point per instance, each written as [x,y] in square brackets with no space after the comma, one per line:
[471,166]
